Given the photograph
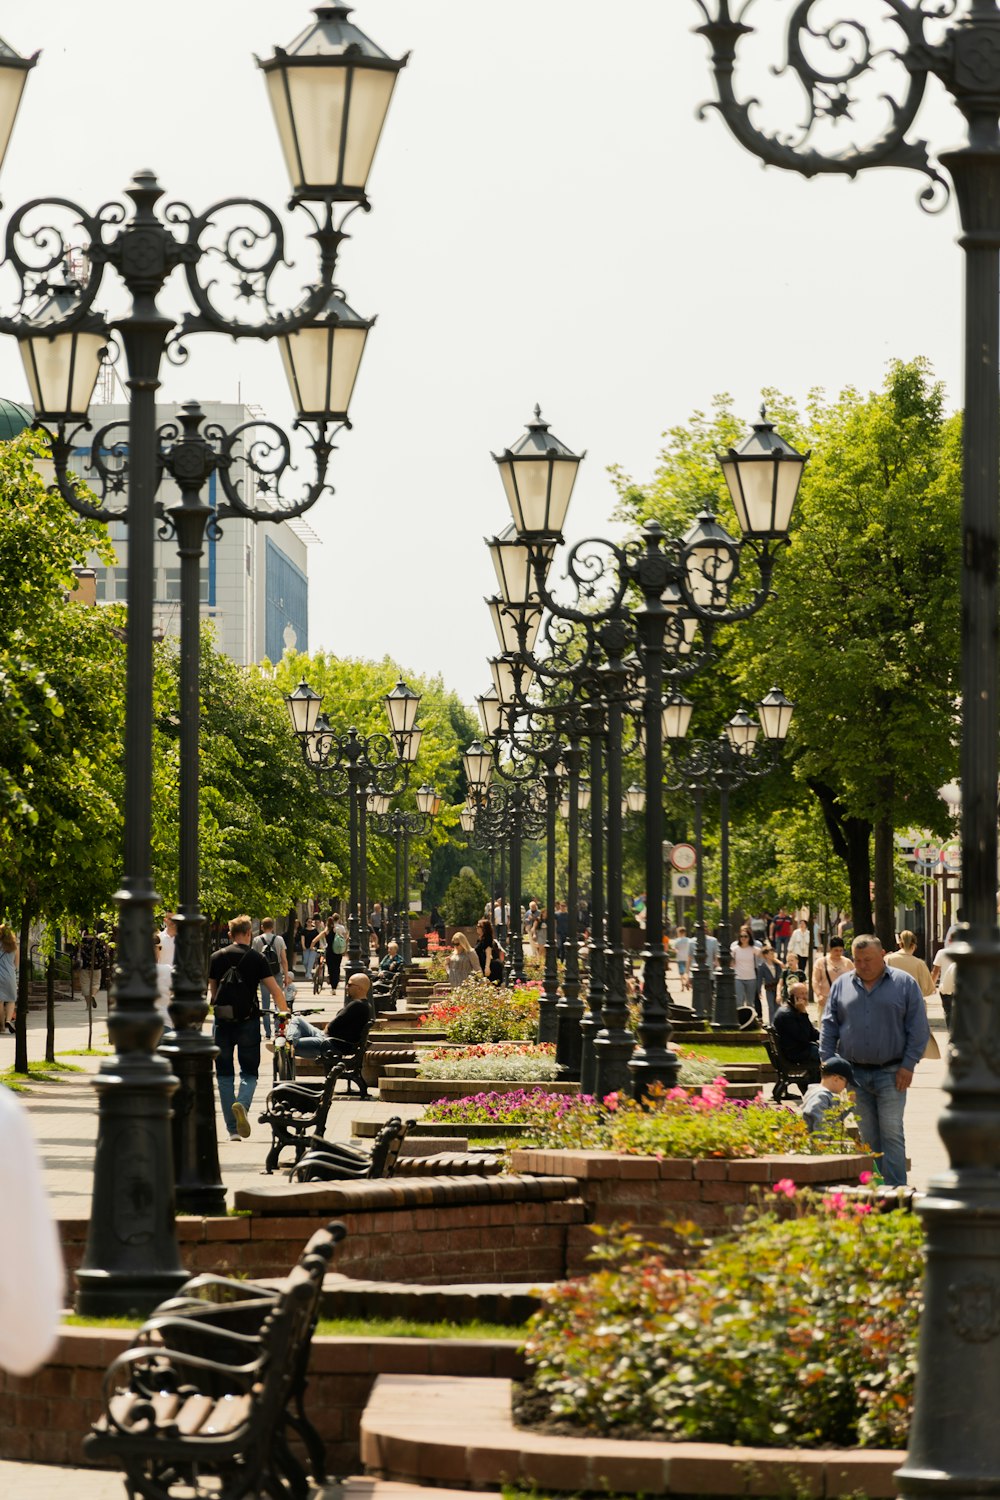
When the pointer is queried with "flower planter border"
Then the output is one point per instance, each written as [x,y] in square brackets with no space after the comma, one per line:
[448,1430]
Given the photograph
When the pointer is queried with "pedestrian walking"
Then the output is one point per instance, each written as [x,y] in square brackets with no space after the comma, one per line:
[334,947]
[828,967]
[745,956]
[906,958]
[463,961]
[235,976]
[310,946]
[876,1018]
[272,945]
[798,945]
[769,972]
[562,929]
[9,958]
[943,975]
[682,952]
[781,932]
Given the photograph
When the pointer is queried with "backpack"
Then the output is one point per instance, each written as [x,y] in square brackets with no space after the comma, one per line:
[267,949]
[339,942]
[234,999]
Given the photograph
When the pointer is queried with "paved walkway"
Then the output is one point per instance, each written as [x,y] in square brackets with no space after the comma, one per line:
[63,1112]
[64,1117]
[47,1482]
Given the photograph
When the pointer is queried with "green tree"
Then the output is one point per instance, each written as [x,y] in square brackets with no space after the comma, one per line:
[863,629]
[464,902]
[353,696]
[260,815]
[61,715]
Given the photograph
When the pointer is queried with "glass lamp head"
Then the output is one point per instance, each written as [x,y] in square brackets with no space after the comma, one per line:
[538,474]
[330,91]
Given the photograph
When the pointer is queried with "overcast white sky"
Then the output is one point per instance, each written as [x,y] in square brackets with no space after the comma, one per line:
[550,223]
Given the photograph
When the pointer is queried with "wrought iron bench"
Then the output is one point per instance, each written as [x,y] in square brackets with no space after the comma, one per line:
[386,995]
[790,1075]
[297,1112]
[332,1161]
[205,1401]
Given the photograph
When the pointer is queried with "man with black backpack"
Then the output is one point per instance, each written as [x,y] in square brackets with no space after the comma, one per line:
[272,945]
[234,976]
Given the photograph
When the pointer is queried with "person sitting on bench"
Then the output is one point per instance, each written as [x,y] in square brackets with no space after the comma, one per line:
[797,1036]
[343,1033]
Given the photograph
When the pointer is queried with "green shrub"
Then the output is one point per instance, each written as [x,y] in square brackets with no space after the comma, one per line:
[464,902]
[795,1332]
[479,1012]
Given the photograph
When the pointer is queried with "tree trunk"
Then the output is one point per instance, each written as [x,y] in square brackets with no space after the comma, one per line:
[885,884]
[851,840]
[50,1011]
[23,979]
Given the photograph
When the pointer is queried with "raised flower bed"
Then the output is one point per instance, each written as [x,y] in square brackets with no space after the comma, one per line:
[701,1156]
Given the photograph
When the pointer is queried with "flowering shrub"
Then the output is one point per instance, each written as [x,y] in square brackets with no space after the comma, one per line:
[513,1108]
[673,1122]
[793,1332]
[482,1012]
[494,1049]
[526,1062]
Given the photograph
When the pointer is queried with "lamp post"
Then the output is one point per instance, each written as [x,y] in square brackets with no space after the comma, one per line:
[722,765]
[684,583]
[361,765]
[954,1439]
[401,826]
[131,1261]
[510,812]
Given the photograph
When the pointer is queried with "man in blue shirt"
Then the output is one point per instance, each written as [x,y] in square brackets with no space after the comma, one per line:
[876,1018]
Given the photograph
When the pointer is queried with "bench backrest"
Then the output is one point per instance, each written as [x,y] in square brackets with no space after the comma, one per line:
[387,1146]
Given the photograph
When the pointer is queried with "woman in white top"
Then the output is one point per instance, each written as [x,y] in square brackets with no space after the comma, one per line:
[798,945]
[745,954]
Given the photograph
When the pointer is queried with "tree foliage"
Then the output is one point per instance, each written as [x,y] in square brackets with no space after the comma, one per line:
[863,629]
[465,900]
[353,696]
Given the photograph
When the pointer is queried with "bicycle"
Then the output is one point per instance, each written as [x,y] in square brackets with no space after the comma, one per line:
[319,973]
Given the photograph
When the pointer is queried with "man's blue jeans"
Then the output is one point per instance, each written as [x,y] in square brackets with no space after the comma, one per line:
[879,1106]
[241,1038]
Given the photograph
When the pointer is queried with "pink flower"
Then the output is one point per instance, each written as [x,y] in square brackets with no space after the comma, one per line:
[611,1102]
[866,1178]
[786,1187]
[863,1208]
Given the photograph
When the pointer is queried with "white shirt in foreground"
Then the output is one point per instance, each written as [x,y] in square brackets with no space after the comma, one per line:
[32,1285]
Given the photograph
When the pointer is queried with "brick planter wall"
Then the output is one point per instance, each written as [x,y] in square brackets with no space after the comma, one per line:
[45,1417]
[645,1191]
[420,1229]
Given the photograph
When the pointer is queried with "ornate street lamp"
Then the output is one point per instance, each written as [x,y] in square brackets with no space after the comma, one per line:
[538,475]
[370,769]
[634,800]
[763,476]
[477,762]
[14,70]
[600,649]
[330,91]
[721,766]
[330,107]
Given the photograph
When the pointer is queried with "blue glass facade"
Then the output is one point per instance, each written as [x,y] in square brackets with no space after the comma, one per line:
[286,596]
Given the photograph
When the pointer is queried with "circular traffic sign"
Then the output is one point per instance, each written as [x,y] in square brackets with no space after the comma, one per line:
[684,857]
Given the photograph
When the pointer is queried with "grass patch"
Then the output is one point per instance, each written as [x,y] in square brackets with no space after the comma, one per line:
[38,1072]
[406,1328]
[87,1052]
[749,1054]
[74,1320]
